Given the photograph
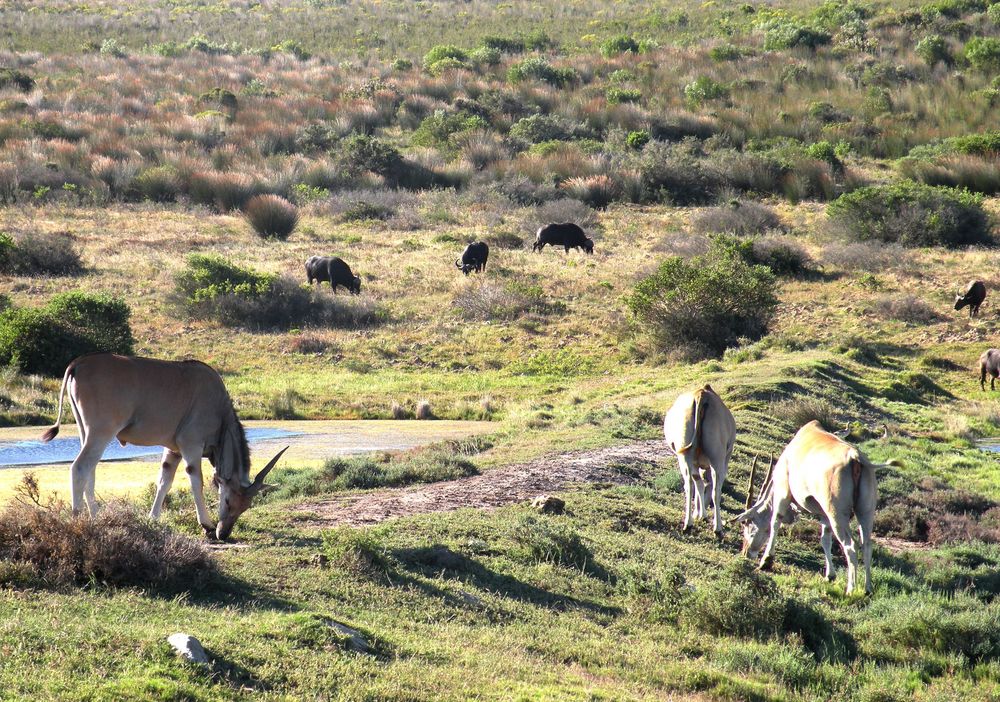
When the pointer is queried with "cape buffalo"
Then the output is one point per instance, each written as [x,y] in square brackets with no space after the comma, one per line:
[973,297]
[567,234]
[474,257]
[333,270]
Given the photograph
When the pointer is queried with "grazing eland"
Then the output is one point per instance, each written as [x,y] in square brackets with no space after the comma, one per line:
[819,474]
[701,431]
[182,406]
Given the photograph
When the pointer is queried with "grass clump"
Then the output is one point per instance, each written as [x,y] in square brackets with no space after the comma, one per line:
[272,216]
[117,548]
[912,214]
[739,602]
[701,307]
[741,217]
[44,340]
[483,300]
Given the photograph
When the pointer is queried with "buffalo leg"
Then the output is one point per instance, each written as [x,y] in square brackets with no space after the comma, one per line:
[168,468]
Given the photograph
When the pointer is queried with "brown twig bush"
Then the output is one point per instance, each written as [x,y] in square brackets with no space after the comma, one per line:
[43,544]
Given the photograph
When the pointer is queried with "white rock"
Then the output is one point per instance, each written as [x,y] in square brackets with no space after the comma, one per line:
[188,647]
[355,640]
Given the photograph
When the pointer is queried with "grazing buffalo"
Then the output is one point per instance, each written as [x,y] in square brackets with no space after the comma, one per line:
[973,297]
[333,270]
[700,429]
[474,257]
[821,475]
[567,235]
[989,362]
[182,406]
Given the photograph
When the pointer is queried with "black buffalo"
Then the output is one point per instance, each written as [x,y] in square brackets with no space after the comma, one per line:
[333,270]
[474,257]
[973,297]
[567,235]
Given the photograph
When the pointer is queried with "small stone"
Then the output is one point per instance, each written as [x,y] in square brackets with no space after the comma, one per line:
[547,504]
[188,647]
[471,600]
[355,640]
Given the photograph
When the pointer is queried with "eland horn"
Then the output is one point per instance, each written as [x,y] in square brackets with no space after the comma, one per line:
[770,472]
[885,431]
[258,482]
[753,471]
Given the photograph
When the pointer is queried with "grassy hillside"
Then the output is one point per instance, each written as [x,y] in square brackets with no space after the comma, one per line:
[131,139]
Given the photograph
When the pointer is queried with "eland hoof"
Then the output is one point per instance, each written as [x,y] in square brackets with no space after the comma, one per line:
[209,531]
[766,564]
[718,536]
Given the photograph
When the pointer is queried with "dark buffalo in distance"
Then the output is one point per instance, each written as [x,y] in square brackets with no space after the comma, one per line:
[567,235]
[973,297]
[474,257]
[333,270]
[989,362]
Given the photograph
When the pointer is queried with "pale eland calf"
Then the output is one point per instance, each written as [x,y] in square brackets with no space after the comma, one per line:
[819,474]
[701,431]
[182,406]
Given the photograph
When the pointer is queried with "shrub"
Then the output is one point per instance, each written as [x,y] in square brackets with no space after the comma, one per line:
[784,34]
[117,548]
[31,253]
[224,191]
[484,300]
[702,307]
[366,153]
[741,217]
[210,287]
[159,184]
[10,77]
[537,68]
[540,128]
[638,139]
[446,64]
[485,56]
[905,308]
[44,340]
[617,96]
[912,214]
[782,254]
[597,191]
[702,89]
[933,49]
[402,64]
[272,216]
[673,175]
[620,44]
[507,45]
[725,52]
[444,51]
[866,256]
[438,129]
[983,53]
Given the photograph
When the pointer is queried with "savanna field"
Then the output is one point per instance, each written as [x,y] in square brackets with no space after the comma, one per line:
[785,199]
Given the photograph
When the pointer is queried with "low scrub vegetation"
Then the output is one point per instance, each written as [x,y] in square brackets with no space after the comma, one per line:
[912,214]
[271,216]
[43,545]
[44,340]
[703,306]
[31,253]
[212,288]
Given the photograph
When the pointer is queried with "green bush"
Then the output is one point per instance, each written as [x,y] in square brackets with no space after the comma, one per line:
[537,68]
[933,49]
[444,51]
[485,56]
[620,44]
[30,253]
[540,128]
[912,214]
[44,340]
[402,64]
[505,45]
[12,78]
[437,129]
[366,153]
[782,34]
[671,174]
[616,95]
[702,306]
[725,52]
[638,139]
[702,89]
[983,53]
[446,64]
[993,13]
[159,184]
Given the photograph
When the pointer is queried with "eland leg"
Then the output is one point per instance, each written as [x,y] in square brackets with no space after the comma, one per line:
[826,541]
[686,475]
[842,531]
[718,477]
[780,508]
[83,470]
[168,468]
[865,526]
[192,461]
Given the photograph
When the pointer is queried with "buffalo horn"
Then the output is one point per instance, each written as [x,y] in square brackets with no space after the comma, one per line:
[753,471]
[457,264]
[258,482]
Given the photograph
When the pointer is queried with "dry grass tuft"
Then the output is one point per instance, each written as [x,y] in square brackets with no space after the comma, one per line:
[272,216]
[424,410]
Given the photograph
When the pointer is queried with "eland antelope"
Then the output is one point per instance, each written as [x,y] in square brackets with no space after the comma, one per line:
[182,406]
[819,474]
[701,431]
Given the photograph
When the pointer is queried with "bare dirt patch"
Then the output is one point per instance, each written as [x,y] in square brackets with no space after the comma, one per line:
[618,465]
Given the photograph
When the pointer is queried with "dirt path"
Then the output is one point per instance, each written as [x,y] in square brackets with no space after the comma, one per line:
[620,465]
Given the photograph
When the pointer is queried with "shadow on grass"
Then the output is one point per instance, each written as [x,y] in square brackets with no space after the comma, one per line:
[441,561]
